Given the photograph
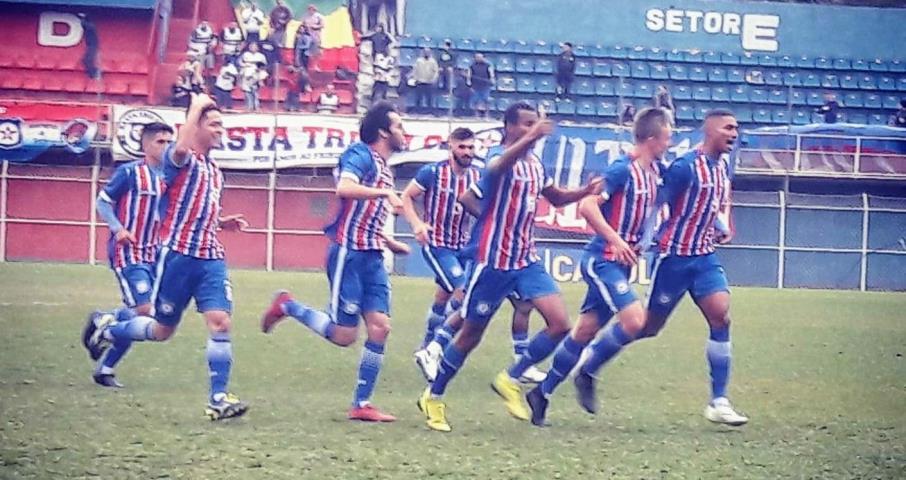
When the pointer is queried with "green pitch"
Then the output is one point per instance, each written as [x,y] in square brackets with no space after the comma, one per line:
[820,373]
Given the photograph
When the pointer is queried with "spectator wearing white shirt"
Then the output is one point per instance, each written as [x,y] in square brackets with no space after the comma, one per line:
[252,57]
[425,73]
[231,39]
[252,77]
[328,101]
[383,71]
[314,21]
[226,82]
[202,43]
[252,19]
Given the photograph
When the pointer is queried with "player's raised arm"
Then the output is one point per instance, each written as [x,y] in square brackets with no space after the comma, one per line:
[538,126]
[185,139]
[559,197]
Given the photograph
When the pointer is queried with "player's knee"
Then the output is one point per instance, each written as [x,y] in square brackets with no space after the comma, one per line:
[162,332]
[218,321]
[144,309]
[632,320]
[379,330]
[720,319]
[344,336]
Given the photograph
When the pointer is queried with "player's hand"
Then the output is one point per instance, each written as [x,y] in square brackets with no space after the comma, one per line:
[723,238]
[395,245]
[395,202]
[595,186]
[421,233]
[125,237]
[624,253]
[233,223]
[543,127]
[201,100]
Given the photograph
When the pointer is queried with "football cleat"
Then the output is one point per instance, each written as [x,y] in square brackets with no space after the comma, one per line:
[227,406]
[720,411]
[369,413]
[107,380]
[511,393]
[532,375]
[435,412]
[537,402]
[93,333]
[585,392]
[275,312]
[427,363]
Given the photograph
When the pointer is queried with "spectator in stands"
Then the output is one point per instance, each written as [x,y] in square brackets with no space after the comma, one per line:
[755,77]
[446,62]
[899,119]
[252,56]
[302,47]
[425,72]
[566,70]
[315,23]
[380,41]
[192,71]
[383,71]
[90,58]
[279,18]
[481,78]
[830,109]
[462,93]
[252,19]
[253,76]
[663,99]
[300,83]
[181,90]
[202,42]
[231,41]
[328,101]
[627,116]
[224,85]
[271,55]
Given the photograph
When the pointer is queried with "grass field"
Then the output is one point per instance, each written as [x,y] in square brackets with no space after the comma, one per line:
[820,373]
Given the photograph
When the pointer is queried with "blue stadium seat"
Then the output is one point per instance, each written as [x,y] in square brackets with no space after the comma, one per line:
[525,84]
[856,117]
[886,83]
[877,119]
[620,69]
[786,61]
[767,60]
[655,54]
[422,42]
[465,45]
[618,51]
[625,89]
[566,107]
[464,61]
[698,74]
[754,76]
[777,96]
[637,53]
[583,67]
[545,84]
[586,108]
[743,113]
[861,65]
[730,59]
[901,84]
[842,64]
[525,65]
[682,92]
[700,111]
[643,90]
[712,58]
[740,93]
[547,105]
[506,83]
[758,95]
[485,45]
[798,97]
[780,116]
[505,64]
[811,80]
[678,72]
[543,48]
[814,99]
[599,51]
[443,102]
[675,56]
[408,41]
[717,74]
[501,46]
[853,99]
[521,47]
[659,72]
[581,51]
[805,62]
[408,57]
[848,81]
[600,68]
[544,65]
[701,93]
[720,94]
[693,57]
[824,63]
[878,65]
[800,117]
[640,70]
[792,79]
[584,87]
[891,101]
[503,103]
[736,75]
[817,117]
[868,82]
[872,101]
[685,112]
[774,78]
[761,115]
[604,88]
[830,80]
[897,66]
[748,59]
[606,109]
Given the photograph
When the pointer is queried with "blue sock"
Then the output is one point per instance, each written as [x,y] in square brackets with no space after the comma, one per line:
[369,369]
[520,343]
[124,314]
[139,329]
[114,355]
[220,359]
[452,306]
[435,319]
[565,359]
[719,353]
[607,347]
[444,335]
[451,363]
[316,320]
[538,349]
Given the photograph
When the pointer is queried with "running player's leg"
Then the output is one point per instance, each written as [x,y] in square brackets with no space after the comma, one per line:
[537,286]
[449,276]
[519,331]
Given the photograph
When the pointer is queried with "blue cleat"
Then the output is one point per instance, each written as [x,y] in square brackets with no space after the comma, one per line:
[538,405]
[585,392]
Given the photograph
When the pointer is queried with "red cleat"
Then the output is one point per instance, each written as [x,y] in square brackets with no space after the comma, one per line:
[275,312]
[369,413]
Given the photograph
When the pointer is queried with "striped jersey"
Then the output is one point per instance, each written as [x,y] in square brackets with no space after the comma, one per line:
[191,208]
[442,187]
[696,190]
[359,223]
[504,232]
[135,191]
[631,191]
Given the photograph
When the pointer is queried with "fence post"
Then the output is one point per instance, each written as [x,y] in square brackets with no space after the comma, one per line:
[3,195]
[857,162]
[271,203]
[781,250]
[797,155]
[93,214]
[863,277]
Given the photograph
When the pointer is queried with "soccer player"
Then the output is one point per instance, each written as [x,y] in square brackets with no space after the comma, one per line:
[696,188]
[191,262]
[359,285]
[129,205]
[617,217]
[506,260]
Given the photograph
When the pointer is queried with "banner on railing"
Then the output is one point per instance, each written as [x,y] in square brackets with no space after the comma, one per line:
[30,129]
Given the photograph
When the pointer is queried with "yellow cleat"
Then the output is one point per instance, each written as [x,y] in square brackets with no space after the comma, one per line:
[435,412]
[511,393]
[226,406]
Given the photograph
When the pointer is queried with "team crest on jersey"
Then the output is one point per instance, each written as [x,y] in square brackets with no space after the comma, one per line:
[622,288]
[456,271]
[664,299]
[483,308]
[129,130]
[166,308]
[142,286]
[350,308]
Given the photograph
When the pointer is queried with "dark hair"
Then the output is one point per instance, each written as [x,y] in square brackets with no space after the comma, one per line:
[462,133]
[377,118]
[511,115]
[903,103]
[648,123]
[568,44]
[718,112]
[204,111]
[154,128]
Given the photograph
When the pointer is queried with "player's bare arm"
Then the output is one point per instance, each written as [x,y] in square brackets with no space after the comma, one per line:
[233,223]
[419,228]
[590,209]
[559,197]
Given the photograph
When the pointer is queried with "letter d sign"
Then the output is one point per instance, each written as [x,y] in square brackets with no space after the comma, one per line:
[72,29]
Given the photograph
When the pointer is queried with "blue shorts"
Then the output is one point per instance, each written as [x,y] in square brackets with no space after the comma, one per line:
[181,278]
[609,290]
[488,287]
[358,284]
[135,281]
[673,276]
[447,265]
[481,95]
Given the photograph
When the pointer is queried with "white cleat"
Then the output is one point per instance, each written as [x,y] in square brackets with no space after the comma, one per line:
[532,375]
[720,411]
[427,363]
